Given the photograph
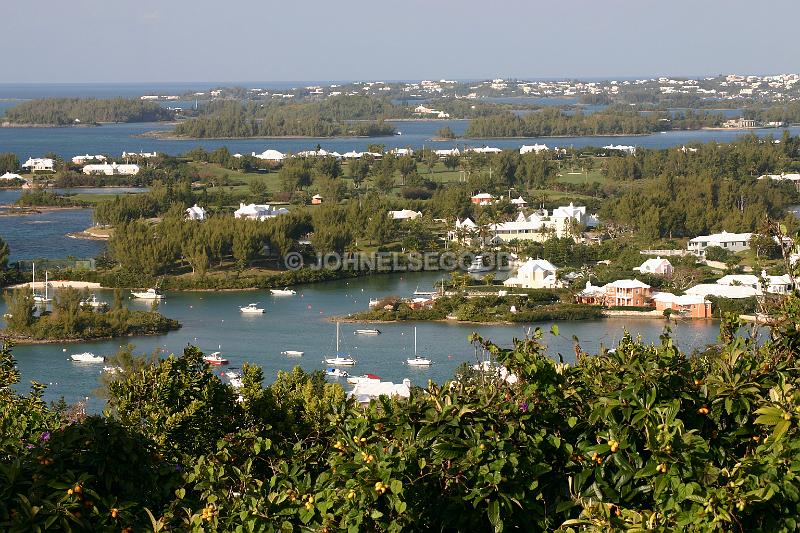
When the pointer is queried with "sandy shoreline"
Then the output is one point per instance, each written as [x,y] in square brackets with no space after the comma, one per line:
[58,284]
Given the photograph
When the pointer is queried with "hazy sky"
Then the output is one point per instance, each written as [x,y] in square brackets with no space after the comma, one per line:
[264,40]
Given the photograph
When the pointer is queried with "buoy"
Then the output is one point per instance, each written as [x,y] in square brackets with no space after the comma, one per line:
[63,349]
[309,306]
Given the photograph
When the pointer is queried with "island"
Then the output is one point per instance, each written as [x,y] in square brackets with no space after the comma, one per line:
[83,112]
[74,318]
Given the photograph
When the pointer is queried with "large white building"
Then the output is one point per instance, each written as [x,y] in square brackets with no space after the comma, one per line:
[112,169]
[735,242]
[83,159]
[38,164]
[536,148]
[405,214]
[258,211]
[143,155]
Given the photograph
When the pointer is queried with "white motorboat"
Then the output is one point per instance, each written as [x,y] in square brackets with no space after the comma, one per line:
[87,357]
[38,298]
[292,353]
[336,373]
[251,309]
[234,378]
[341,359]
[355,380]
[417,360]
[215,358]
[149,294]
[93,302]
[367,332]
[478,266]
[283,292]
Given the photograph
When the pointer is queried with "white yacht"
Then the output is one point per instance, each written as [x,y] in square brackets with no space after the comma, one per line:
[478,266]
[336,373]
[292,353]
[417,360]
[367,332]
[283,292]
[149,294]
[38,298]
[341,359]
[251,309]
[93,302]
[355,380]
[87,357]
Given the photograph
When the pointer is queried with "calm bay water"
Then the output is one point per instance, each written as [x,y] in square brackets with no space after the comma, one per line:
[115,138]
[302,322]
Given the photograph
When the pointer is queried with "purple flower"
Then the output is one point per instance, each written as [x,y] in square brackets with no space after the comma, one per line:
[178,467]
[45,435]
[29,446]
[523,406]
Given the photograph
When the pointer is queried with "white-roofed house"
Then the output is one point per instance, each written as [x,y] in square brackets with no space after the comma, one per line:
[258,211]
[8,176]
[658,266]
[195,213]
[723,291]
[483,198]
[628,292]
[82,159]
[592,295]
[405,214]
[39,164]
[519,202]
[688,305]
[316,199]
[112,169]
[143,155]
[367,390]
[772,284]
[534,274]
[270,155]
[536,148]
[465,231]
[734,242]
[447,152]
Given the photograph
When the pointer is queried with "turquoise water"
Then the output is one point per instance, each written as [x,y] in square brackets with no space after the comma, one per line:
[302,322]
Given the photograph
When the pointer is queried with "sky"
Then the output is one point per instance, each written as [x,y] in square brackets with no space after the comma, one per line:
[120,41]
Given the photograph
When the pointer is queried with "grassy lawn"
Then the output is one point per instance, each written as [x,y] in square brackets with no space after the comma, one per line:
[577,176]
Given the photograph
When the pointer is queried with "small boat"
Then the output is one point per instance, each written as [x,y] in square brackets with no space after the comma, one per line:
[87,357]
[215,358]
[354,380]
[367,332]
[336,373]
[293,353]
[417,360]
[341,359]
[38,298]
[93,302]
[251,309]
[283,292]
[149,294]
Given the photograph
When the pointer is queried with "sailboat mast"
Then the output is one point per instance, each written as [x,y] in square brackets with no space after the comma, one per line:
[45,285]
[337,338]
[415,341]
[33,280]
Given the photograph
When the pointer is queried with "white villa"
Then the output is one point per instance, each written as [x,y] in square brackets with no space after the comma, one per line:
[400,152]
[773,284]
[258,211]
[621,148]
[781,177]
[534,274]
[723,291]
[447,152]
[39,164]
[83,159]
[195,213]
[111,169]
[735,242]
[658,266]
[484,150]
[405,214]
[535,148]
[539,226]
[270,155]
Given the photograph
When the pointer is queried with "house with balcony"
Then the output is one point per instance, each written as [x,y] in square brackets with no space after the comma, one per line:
[628,293]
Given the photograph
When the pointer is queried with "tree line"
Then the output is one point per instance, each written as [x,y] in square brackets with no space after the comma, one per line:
[67,111]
